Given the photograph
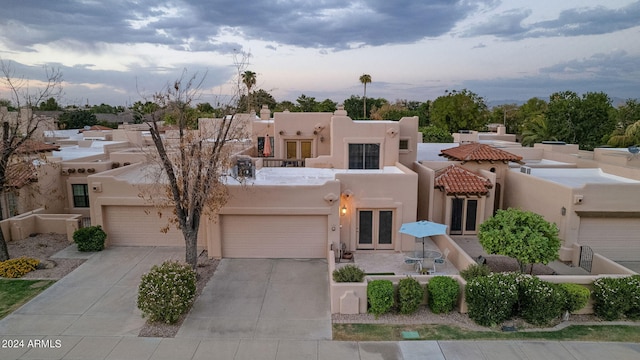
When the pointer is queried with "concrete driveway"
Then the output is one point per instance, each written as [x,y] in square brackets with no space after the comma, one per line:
[263,299]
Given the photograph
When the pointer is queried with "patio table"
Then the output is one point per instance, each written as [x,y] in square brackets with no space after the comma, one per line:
[427,254]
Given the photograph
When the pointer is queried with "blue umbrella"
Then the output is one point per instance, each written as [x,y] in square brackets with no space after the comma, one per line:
[423,228]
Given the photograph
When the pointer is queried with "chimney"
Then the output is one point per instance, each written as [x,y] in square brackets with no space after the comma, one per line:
[265,113]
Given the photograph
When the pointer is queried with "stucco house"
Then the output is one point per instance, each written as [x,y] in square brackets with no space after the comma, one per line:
[328,181]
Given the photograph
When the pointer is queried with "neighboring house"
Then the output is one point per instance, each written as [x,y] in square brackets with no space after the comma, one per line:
[466,189]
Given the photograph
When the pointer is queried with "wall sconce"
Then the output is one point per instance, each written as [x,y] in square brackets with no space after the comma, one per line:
[343,210]
[563,211]
[321,138]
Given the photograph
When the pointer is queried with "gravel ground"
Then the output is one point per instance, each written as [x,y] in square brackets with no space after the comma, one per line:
[41,247]
[206,268]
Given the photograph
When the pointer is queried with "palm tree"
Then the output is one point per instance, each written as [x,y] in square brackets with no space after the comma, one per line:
[630,137]
[365,79]
[249,80]
[536,130]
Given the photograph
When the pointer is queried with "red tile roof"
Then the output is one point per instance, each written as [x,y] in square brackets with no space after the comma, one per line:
[478,152]
[20,174]
[33,146]
[455,180]
[95,128]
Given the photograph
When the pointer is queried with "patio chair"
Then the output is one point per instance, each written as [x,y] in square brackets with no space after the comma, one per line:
[442,259]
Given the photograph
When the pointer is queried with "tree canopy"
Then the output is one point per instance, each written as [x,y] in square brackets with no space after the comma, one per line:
[76,119]
[579,120]
[522,235]
[458,110]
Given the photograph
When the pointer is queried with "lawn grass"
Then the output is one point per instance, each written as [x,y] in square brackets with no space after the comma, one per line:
[14,293]
[388,332]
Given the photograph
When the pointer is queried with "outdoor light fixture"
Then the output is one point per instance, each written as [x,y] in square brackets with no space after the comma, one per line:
[343,211]
[563,211]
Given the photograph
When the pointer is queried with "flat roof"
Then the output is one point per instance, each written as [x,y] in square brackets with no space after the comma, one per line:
[545,163]
[576,178]
[309,176]
[77,152]
[431,151]
[267,176]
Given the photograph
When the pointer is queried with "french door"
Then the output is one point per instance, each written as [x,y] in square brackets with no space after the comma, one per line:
[464,214]
[298,149]
[375,229]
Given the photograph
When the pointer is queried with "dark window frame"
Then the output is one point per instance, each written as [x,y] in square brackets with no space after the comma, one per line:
[80,195]
[364,156]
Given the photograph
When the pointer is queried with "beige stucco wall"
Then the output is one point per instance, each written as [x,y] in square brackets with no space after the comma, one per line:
[394,191]
[409,131]
[546,198]
[302,126]
[345,131]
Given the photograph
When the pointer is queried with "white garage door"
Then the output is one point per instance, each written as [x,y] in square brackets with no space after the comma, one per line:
[616,238]
[274,236]
[131,225]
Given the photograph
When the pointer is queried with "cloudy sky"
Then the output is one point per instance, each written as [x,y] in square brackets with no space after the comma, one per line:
[116,51]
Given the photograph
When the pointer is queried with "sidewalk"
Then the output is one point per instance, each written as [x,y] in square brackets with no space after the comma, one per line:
[135,348]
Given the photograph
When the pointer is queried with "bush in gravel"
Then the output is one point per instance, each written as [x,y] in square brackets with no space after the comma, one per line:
[491,299]
[474,271]
[167,291]
[615,297]
[577,296]
[348,273]
[90,238]
[442,294]
[18,267]
[540,301]
[380,295]
[410,295]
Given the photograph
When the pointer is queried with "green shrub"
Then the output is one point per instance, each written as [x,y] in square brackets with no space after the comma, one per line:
[491,299]
[475,270]
[167,291]
[540,301]
[18,267]
[348,273]
[577,296]
[90,238]
[615,297]
[410,295]
[380,296]
[443,293]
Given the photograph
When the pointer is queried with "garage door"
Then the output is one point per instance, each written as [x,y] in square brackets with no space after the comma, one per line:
[131,225]
[274,236]
[616,238]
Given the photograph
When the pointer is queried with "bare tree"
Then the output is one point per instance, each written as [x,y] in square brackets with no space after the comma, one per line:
[194,162]
[18,129]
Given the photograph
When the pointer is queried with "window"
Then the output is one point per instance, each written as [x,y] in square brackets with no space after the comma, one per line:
[364,156]
[298,149]
[12,201]
[404,144]
[261,140]
[80,195]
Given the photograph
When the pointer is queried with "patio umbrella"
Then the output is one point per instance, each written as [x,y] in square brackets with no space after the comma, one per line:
[422,229]
[266,151]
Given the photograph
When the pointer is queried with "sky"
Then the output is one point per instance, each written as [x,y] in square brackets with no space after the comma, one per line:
[118,52]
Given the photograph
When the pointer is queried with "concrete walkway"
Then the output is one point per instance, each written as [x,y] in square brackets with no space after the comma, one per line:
[91,314]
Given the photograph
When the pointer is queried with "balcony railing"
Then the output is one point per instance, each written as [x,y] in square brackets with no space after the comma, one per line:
[271,162]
